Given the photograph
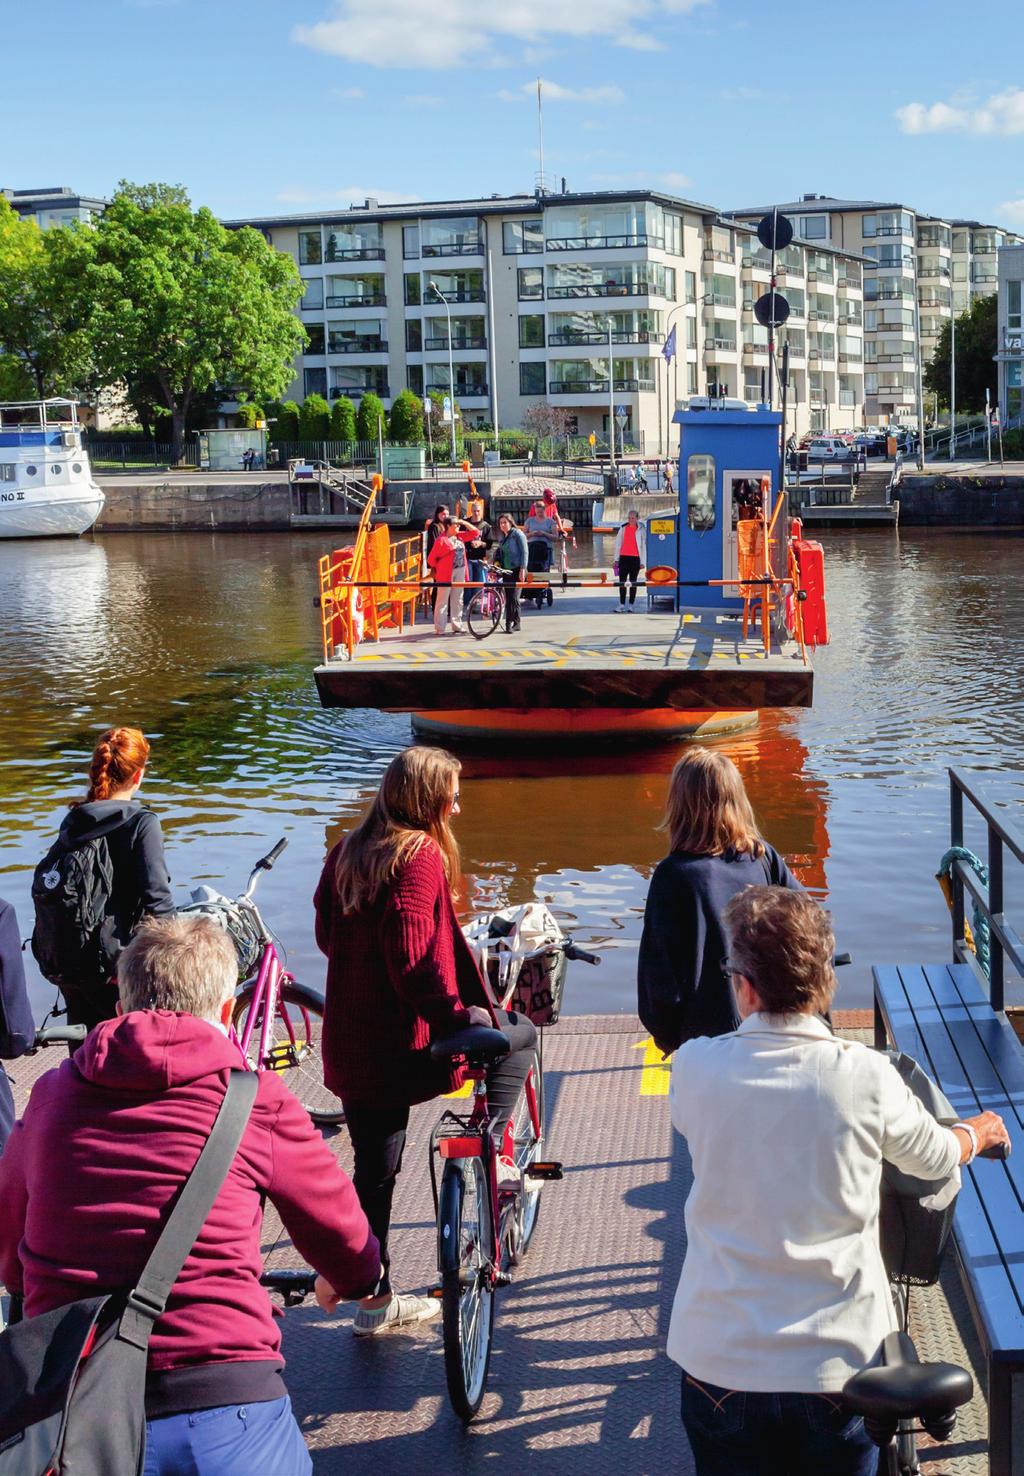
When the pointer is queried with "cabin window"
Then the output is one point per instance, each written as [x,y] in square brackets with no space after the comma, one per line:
[7,471]
[76,467]
[700,493]
[55,468]
[30,471]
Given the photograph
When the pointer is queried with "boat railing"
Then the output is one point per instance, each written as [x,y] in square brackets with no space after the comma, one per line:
[1004,942]
[39,415]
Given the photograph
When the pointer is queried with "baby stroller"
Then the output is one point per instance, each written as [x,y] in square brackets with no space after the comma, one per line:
[539,562]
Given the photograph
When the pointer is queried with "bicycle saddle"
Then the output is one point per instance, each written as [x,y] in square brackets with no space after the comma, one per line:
[478,1043]
[902,1387]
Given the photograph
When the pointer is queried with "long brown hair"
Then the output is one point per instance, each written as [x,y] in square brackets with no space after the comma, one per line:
[411,809]
[708,812]
[120,753]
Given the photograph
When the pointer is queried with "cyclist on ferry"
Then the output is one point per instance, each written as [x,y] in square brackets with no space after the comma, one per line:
[400,975]
[783,1293]
[103,874]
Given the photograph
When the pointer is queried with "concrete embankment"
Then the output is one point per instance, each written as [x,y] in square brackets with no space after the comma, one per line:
[986,498]
[185,503]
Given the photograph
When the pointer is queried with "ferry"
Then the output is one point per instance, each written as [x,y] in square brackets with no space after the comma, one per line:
[46,483]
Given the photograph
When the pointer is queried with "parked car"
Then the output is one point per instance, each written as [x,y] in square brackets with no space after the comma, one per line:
[829,448]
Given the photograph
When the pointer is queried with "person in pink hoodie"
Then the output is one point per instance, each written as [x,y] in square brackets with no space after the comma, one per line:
[107,1141]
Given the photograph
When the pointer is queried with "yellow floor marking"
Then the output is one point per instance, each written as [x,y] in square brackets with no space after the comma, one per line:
[655,1077]
[465,1090]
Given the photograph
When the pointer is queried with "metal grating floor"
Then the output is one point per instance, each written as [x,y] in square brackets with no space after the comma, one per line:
[579,1382]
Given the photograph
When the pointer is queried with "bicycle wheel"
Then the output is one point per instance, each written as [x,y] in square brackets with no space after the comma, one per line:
[293,1048]
[484,613]
[527,1145]
[465,1238]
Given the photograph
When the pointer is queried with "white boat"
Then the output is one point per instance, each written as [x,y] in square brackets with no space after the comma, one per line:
[46,483]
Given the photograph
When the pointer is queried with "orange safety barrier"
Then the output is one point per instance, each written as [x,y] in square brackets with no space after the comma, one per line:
[810,560]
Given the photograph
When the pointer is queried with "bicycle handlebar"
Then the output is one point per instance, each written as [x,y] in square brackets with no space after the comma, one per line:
[580,955]
[294,1283]
[998,1150]
[266,862]
[840,959]
[48,1035]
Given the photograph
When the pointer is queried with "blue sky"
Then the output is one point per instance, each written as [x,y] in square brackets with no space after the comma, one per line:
[274,106]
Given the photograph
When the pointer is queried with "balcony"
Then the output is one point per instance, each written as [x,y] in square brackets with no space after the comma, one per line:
[750,349]
[721,345]
[604,243]
[757,264]
[354,253]
[894,230]
[924,273]
[571,337]
[454,248]
[354,300]
[461,294]
[364,344]
[710,254]
[853,320]
[598,386]
[988,278]
[477,390]
[822,315]
[849,284]
[845,357]
[935,302]
[357,391]
[892,294]
[904,358]
[477,341]
[605,289]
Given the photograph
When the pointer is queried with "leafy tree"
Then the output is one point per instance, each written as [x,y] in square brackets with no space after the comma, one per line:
[976,343]
[15,380]
[287,422]
[175,298]
[343,420]
[248,414]
[371,411]
[42,325]
[406,422]
[314,418]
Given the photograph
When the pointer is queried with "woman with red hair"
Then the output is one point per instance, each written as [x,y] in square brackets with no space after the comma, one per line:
[105,872]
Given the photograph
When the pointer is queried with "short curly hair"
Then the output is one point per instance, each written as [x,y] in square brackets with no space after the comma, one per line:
[782,941]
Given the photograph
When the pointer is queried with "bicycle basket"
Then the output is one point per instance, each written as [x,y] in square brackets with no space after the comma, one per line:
[524,961]
[539,988]
[235,921]
[916,1215]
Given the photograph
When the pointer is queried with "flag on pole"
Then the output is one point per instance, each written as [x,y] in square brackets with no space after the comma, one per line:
[670,346]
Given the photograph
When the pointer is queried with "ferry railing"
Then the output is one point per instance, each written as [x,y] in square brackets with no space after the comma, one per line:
[1004,942]
[343,571]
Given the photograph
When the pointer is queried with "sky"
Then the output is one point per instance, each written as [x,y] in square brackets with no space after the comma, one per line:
[271,107]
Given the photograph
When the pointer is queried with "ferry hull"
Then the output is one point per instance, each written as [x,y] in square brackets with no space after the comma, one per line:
[51,518]
[579,725]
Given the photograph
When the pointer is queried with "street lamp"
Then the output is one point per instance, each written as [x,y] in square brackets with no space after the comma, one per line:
[451,367]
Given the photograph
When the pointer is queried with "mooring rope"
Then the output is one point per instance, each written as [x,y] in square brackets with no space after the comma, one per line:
[981,929]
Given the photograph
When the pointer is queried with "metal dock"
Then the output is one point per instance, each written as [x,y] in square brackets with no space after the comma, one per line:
[580,1384]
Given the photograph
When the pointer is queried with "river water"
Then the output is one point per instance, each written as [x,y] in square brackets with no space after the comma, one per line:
[208,642]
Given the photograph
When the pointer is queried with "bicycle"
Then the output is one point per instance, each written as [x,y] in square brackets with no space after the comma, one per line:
[487,607]
[277,1022]
[484,1231]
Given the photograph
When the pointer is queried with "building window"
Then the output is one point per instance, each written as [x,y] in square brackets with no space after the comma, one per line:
[410,242]
[414,378]
[691,286]
[700,493]
[691,379]
[531,330]
[522,236]
[1013,305]
[814,227]
[314,381]
[673,233]
[315,334]
[313,296]
[532,379]
[412,289]
[456,236]
[414,335]
[310,248]
[531,283]
[691,333]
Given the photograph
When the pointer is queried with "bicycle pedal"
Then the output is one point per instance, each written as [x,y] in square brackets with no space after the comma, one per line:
[282,1057]
[435,1292]
[545,1171]
[503,1278]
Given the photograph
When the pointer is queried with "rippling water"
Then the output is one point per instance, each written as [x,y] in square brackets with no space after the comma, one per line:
[207,642]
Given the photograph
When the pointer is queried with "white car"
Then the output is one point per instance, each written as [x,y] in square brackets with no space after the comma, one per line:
[828,448]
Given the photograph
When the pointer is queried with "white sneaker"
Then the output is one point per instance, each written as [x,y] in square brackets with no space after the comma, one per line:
[401,1311]
[621,610]
[509,1178]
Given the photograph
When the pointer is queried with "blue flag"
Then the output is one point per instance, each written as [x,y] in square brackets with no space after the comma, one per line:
[670,346]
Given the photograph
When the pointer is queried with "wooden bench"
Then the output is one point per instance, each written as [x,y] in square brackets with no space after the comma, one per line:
[940,1014]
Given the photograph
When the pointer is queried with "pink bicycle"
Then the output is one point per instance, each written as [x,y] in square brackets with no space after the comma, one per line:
[277,1022]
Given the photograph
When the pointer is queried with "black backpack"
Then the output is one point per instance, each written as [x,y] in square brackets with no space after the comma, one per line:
[71,890]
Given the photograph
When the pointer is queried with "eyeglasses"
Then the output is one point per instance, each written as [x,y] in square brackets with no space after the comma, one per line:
[455,798]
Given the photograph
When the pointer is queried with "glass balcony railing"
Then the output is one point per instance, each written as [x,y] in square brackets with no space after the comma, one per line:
[598,386]
[603,243]
[453,248]
[354,253]
[369,343]
[473,389]
[567,337]
[467,341]
[357,299]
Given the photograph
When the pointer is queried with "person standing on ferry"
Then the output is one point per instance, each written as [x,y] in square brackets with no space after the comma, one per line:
[630,555]
[512,557]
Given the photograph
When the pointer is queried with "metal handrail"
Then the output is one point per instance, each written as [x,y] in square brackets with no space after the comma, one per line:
[1004,941]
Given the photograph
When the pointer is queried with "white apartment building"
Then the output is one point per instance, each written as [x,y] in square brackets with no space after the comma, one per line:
[939,265]
[527,281]
[54,206]
[1010,352]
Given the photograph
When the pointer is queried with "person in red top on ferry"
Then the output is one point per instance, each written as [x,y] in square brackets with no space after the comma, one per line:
[630,556]
[400,975]
[449,563]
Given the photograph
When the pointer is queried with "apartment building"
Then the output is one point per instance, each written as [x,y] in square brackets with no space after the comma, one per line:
[1010,352]
[54,206]
[525,283]
[939,266]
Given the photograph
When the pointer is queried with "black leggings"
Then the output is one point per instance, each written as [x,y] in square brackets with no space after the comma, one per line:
[629,568]
[378,1133]
[511,578]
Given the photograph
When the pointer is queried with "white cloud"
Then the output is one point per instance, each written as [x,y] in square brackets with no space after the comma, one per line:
[347,94]
[1012,210]
[442,34]
[343,198]
[1002,113]
[555,92]
[422,100]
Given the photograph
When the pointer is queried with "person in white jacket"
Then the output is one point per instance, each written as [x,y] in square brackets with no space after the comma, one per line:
[783,1293]
[630,557]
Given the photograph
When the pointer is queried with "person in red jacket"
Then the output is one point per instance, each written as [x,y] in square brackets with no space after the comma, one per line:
[450,565]
[105,1145]
[400,975]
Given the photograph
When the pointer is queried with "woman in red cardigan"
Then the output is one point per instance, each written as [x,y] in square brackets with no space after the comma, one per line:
[400,974]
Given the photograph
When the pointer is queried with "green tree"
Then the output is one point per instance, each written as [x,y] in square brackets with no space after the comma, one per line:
[288,422]
[42,324]
[405,426]
[976,343]
[314,419]
[343,420]
[371,411]
[247,415]
[174,297]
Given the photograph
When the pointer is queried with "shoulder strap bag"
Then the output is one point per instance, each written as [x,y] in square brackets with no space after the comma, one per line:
[73,1380]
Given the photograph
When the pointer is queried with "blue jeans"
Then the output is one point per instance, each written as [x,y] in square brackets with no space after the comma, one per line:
[230,1440]
[475,575]
[733,1433]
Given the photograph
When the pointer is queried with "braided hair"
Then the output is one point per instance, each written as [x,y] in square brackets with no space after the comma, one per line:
[120,753]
